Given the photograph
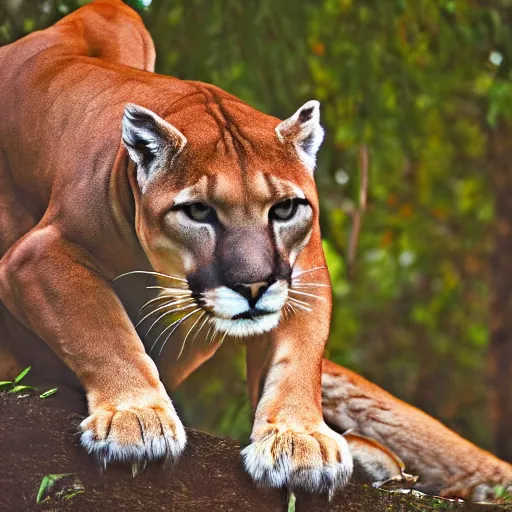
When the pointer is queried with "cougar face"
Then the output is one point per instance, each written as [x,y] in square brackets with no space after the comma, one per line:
[229,218]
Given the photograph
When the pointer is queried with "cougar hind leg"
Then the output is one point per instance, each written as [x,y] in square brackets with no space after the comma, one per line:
[19,347]
[15,221]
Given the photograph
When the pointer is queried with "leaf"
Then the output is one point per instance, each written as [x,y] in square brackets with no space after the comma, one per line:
[292,500]
[46,484]
[70,487]
[499,491]
[22,375]
[17,389]
[5,383]
[48,393]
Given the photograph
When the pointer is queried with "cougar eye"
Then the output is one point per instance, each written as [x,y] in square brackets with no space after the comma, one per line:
[200,212]
[284,210]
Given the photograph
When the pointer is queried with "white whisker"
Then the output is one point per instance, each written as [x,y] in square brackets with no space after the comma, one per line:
[188,332]
[223,338]
[206,320]
[299,304]
[292,309]
[213,333]
[302,308]
[160,297]
[297,274]
[159,308]
[298,301]
[180,290]
[178,323]
[161,317]
[169,312]
[300,284]
[291,290]
[166,329]
[159,274]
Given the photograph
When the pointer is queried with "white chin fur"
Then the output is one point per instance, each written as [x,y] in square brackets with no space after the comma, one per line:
[274,298]
[153,448]
[225,304]
[245,327]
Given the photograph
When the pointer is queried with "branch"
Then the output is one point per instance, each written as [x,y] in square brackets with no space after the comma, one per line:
[358,212]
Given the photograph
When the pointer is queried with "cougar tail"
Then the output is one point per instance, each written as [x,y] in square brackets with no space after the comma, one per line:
[111,31]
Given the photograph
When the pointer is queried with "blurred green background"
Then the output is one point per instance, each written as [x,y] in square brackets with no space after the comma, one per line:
[422,89]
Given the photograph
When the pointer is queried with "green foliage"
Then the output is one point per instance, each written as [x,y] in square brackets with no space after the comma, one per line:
[292,501]
[15,386]
[20,377]
[59,486]
[48,393]
[412,315]
[502,494]
[420,83]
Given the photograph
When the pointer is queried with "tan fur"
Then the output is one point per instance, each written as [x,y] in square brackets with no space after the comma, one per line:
[375,462]
[446,463]
[79,214]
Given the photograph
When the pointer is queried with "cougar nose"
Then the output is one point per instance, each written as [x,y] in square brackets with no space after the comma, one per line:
[251,291]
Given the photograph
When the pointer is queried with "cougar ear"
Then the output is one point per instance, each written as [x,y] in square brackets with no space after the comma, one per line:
[149,139]
[304,131]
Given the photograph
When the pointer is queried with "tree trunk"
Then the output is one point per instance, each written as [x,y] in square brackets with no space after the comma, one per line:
[500,348]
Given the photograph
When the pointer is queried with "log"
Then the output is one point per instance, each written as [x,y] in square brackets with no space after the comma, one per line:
[38,440]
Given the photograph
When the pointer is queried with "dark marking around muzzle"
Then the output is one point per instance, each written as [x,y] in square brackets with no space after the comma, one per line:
[252,291]
[246,256]
[247,260]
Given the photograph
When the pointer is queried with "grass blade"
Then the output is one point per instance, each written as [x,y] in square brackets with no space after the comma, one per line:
[22,375]
[292,500]
[17,389]
[46,484]
[48,393]
[55,487]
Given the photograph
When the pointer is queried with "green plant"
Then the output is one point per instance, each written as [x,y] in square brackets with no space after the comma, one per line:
[59,486]
[292,500]
[15,386]
[503,494]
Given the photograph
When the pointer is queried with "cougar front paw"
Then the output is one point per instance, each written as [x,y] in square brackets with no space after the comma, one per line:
[318,461]
[133,432]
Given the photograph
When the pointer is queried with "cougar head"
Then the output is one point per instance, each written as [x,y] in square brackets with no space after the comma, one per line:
[226,204]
